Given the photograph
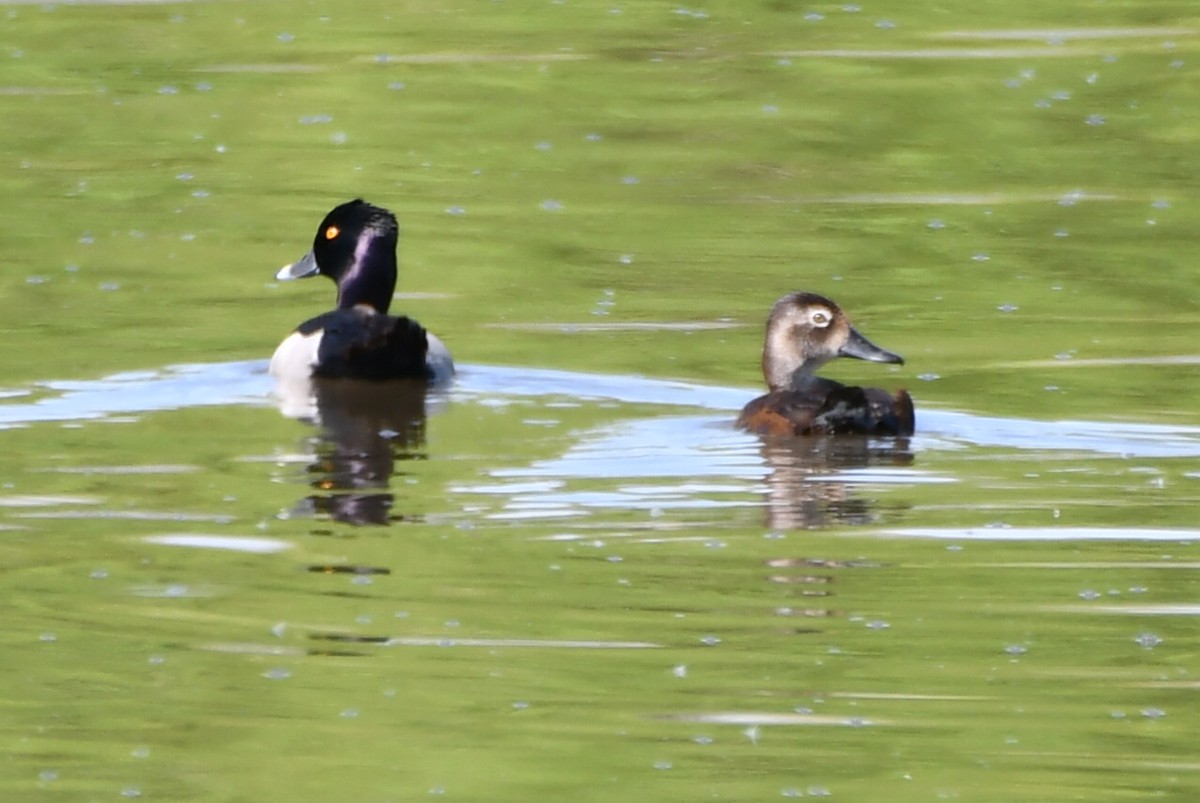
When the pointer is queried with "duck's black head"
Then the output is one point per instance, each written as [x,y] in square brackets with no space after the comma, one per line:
[805,331]
[355,246]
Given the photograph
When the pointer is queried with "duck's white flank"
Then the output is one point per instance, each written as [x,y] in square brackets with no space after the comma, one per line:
[438,360]
[296,356]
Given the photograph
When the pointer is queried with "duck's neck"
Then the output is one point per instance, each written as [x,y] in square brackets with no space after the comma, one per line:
[783,364]
[370,278]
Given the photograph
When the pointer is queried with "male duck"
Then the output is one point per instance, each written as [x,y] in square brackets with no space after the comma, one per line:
[355,246]
[805,331]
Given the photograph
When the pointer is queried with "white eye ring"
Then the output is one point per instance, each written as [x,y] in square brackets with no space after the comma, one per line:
[819,318]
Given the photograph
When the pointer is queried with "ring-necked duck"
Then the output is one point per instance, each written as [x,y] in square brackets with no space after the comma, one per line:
[805,331]
[355,246]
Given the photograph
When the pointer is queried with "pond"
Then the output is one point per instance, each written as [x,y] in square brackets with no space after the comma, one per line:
[567,575]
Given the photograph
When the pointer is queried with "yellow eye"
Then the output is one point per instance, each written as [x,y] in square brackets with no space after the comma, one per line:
[331,232]
[820,319]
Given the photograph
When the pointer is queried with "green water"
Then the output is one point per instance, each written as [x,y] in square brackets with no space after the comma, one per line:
[544,617]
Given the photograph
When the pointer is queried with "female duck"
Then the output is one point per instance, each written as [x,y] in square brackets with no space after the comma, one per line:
[356,247]
[805,331]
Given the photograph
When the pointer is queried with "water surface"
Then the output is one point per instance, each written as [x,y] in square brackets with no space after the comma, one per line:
[567,576]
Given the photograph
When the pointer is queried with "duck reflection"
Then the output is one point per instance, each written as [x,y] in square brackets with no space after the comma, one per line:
[367,430]
[807,487]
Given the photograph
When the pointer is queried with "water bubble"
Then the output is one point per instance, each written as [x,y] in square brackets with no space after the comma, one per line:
[168,90]
[110,286]
[814,16]
[204,86]
[710,641]
[935,224]
[396,86]
[770,109]
[543,146]
[285,37]
[1015,649]
[592,137]
[1096,119]
[877,624]
[625,259]
[338,138]
[1153,713]
[885,25]
[679,670]
[928,377]
[36,279]
[456,210]
[520,705]
[630,180]
[551,205]
[315,119]
[980,258]
[1008,307]
[1148,640]
[278,673]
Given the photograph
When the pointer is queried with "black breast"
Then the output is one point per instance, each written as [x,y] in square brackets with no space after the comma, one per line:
[358,343]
